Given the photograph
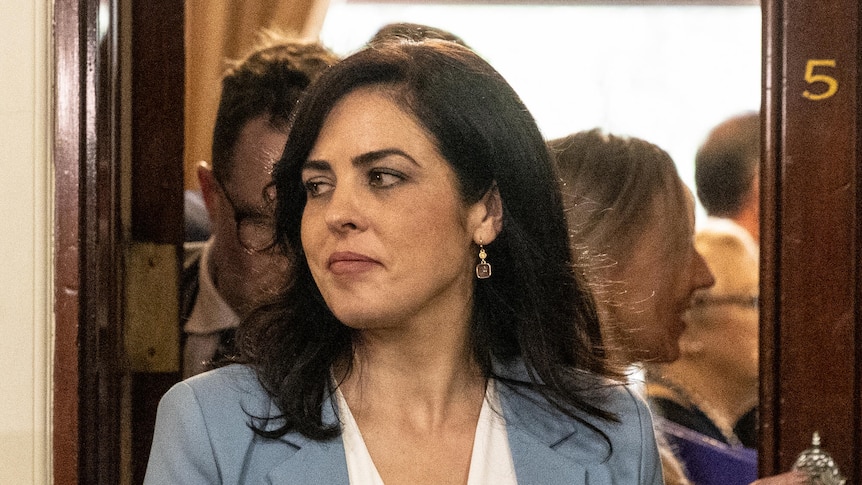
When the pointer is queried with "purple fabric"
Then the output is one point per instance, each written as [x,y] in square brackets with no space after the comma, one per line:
[708,461]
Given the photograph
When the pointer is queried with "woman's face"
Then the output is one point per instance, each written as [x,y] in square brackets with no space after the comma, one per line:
[657,282]
[388,239]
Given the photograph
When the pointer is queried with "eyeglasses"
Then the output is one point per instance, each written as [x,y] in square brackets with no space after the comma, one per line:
[254,229]
[746,301]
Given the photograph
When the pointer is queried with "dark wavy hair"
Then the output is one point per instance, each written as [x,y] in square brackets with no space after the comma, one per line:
[533,308]
[269,81]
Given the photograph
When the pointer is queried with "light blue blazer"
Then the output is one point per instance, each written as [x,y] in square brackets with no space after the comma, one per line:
[202,436]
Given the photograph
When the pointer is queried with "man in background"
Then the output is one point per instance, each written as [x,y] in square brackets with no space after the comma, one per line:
[239,267]
[413,32]
[727,172]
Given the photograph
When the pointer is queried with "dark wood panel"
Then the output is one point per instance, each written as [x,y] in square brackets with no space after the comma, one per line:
[157,122]
[857,334]
[770,237]
[147,390]
[810,200]
[88,356]
[68,88]
[856,472]
[100,351]
[158,91]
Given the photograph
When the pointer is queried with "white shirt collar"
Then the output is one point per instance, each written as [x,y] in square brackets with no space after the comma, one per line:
[211,313]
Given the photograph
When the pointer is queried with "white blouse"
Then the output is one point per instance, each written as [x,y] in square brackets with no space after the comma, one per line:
[491,461]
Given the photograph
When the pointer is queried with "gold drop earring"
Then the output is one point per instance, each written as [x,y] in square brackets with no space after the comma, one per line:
[483,269]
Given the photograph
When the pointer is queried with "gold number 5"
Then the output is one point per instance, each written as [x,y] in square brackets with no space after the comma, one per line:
[811,78]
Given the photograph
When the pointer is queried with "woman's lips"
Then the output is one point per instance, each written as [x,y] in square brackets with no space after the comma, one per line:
[346,262]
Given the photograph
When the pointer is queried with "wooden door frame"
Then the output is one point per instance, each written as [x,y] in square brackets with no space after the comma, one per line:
[811,337]
[87,355]
[92,228]
[74,48]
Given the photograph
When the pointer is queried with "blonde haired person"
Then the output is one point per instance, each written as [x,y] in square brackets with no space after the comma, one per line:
[632,224]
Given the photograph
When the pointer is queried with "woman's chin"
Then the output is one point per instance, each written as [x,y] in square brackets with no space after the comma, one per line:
[667,355]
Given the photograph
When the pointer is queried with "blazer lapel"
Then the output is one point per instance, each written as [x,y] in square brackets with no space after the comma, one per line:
[314,462]
[535,434]
[547,446]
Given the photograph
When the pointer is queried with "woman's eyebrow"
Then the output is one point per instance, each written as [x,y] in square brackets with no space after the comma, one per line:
[320,165]
[370,157]
[361,160]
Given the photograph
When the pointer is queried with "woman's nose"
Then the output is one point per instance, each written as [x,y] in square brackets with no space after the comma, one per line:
[343,211]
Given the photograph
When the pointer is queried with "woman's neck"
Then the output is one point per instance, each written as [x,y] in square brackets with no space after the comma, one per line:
[428,377]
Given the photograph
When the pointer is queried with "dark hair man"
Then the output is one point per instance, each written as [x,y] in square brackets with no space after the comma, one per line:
[238,267]
[727,172]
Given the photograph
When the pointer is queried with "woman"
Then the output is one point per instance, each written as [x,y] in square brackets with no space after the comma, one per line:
[434,330]
[632,220]
[713,384]
[633,225]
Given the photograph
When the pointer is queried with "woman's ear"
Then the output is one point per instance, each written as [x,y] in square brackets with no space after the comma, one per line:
[487,215]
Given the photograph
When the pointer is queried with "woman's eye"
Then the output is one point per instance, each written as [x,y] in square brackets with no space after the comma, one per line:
[380,178]
[316,188]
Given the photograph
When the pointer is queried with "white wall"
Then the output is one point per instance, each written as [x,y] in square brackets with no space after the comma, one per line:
[26,317]
[666,74]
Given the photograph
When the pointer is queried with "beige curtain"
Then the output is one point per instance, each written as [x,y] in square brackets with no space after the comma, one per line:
[217,30]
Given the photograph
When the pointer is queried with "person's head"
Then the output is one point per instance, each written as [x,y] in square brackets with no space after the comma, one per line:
[401,161]
[412,32]
[632,220]
[722,332]
[727,171]
[258,94]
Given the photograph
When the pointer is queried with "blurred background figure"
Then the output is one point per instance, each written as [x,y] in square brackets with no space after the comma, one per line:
[727,172]
[238,268]
[195,217]
[714,382]
[727,176]
[632,223]
[414,32]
